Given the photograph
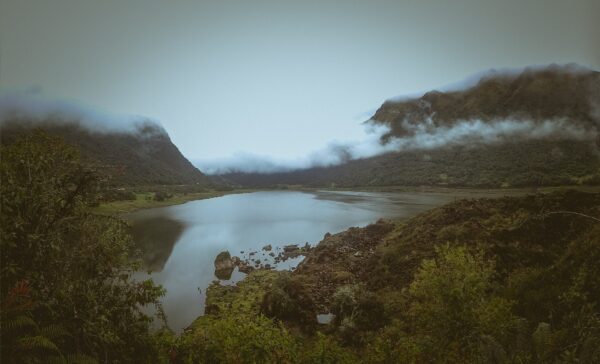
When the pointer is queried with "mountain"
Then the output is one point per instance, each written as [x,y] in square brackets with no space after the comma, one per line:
[554,92]
[535,126]
[144,155]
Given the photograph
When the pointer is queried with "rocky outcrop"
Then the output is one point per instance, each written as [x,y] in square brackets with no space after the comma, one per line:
[224,265]
[341,259]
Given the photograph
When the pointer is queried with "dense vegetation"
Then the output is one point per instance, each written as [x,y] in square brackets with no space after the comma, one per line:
[512,164]
[66,288]
[510,280]
[513,280]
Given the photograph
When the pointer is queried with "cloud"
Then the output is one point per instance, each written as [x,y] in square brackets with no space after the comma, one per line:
[422,136]
[34,107]
[425,136]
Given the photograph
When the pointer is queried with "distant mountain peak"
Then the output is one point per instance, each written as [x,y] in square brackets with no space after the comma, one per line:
[537,93]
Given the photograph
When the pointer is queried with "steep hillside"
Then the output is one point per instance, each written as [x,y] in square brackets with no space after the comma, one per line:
[144,156]
[536,94]
[534,127]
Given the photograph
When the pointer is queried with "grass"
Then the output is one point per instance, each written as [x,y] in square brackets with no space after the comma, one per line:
[145,200]
[245,297]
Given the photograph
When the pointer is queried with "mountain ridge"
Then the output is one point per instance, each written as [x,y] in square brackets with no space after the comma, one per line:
[142,155]
[536,94]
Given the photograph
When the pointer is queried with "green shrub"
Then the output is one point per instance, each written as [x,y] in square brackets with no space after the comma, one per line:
[78,266]
[236,339]
[288,300]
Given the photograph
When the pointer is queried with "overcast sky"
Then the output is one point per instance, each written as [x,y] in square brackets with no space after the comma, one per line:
[276,78]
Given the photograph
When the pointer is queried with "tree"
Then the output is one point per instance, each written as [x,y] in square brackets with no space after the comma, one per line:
[77,266]
[236,339]
[453,312]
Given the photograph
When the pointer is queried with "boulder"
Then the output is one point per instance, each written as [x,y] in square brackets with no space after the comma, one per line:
[290,248]
[224,265]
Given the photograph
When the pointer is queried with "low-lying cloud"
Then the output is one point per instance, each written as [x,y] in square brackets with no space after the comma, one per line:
[33,106]
[421,136]
[334,153]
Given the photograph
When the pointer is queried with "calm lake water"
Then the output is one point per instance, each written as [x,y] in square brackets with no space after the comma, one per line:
[181,242]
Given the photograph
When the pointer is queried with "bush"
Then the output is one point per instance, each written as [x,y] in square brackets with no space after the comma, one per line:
[77,266]
[356,311]
[236,339]
[452,310]
[110,195]
[289,300]
[161,195]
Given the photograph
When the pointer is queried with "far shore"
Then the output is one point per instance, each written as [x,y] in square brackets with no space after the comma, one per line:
[144,200]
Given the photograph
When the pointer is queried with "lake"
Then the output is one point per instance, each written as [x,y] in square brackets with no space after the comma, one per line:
[180,242]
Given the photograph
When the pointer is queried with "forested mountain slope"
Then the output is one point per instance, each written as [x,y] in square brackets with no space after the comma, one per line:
[144,155]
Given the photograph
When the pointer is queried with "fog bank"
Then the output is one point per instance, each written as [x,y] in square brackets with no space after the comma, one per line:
[423,136]
[33,106]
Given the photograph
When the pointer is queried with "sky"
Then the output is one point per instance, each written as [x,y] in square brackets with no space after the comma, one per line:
[277,79]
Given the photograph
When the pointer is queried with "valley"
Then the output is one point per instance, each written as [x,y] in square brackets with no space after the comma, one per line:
[470,236]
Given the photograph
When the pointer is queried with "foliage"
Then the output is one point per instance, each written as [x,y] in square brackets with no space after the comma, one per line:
[511,280]
[116,194]
[236,339]
[161,196]
[452,309]
[22,338]
[288,300]
[325,350]
[532,163]
[356,310]
[78,266]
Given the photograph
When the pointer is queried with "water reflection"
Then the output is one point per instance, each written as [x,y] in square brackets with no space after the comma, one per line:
[156,236]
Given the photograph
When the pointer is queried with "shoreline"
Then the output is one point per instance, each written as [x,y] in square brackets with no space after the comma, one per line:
[145,201]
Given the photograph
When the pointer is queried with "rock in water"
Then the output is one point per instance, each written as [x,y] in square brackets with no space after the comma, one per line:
[224,265]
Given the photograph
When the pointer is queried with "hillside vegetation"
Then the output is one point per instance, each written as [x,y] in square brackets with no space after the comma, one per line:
[67,291]
[509,280]
[144,156]
[553,92]
[512,164]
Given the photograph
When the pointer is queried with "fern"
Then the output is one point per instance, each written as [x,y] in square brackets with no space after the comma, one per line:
[54,332]
[71,359]
[80,359]
[37,342]
[12,324]
[542,340]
